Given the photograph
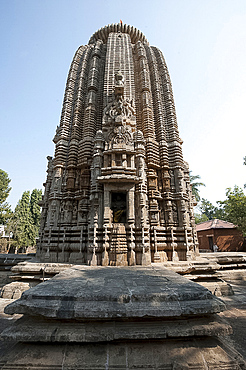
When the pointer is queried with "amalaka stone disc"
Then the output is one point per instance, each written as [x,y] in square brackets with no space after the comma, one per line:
[103,293]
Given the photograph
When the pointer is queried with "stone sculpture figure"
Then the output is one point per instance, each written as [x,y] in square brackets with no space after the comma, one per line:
[118,138]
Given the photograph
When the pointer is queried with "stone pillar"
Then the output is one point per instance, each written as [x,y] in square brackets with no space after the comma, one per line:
[157,257]
[107,209]
[130,206]
[105,256]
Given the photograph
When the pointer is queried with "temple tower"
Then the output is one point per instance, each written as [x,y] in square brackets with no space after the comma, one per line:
[117,190]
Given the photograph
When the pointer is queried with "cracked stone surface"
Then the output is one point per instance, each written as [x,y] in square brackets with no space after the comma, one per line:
[85,292]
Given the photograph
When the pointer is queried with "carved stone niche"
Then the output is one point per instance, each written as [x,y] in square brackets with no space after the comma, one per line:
[70,183]
[118,207]
[119,203]
[166,180]
[119,83]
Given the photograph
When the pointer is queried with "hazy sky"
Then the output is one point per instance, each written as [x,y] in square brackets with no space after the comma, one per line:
[203,42]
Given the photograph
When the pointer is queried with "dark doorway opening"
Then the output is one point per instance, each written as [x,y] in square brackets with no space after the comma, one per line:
[118,206]
[211,243]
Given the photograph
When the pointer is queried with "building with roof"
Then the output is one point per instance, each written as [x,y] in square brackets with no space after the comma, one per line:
[223,234]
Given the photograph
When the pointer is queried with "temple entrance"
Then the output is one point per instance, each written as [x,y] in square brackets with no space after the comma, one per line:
[118,206]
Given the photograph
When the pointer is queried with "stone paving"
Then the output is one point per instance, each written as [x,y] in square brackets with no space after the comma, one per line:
[6,321]
[236,316]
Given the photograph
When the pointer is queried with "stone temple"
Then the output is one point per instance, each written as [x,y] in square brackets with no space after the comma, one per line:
[117,194]
[117,190]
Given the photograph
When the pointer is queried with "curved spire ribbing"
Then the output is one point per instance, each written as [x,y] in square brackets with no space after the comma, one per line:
[117,190]
[104,32]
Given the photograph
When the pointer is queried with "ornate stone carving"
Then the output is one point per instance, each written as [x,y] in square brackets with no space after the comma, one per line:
[120,109]
[118,135]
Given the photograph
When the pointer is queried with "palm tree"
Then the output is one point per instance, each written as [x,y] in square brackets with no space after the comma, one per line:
[195,185]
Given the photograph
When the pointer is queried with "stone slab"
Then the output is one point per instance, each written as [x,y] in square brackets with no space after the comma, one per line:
[14,290]
[29,329]
[202,265]
[39,267]
[195,354]
[12,259]
[235,276]
[227,260]
[86,293]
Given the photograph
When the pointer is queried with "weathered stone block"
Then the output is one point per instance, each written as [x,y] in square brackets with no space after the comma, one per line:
[86,292]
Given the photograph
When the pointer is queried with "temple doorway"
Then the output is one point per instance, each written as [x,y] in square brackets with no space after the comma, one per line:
[118,206]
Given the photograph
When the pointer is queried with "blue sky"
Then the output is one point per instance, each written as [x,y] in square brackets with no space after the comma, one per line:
[203,42]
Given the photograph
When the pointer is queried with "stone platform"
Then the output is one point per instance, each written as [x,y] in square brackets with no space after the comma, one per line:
[85,292]
[8,260]
[214,271]
[119,318]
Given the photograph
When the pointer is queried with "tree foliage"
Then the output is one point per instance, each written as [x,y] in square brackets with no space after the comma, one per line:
[232,209]
[26,219]
[36,197]
[195,185]
[244,162]
[200,217]
[210,211]
[5,211]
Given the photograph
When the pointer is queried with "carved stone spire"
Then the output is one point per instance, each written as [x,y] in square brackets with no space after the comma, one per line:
[117,192]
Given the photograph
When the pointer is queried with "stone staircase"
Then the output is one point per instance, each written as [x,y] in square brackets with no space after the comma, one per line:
[215,271]
[118,246]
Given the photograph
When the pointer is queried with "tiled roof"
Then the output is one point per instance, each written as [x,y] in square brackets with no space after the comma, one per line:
[214,224]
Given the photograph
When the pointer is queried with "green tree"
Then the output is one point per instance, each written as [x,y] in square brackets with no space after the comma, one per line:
[22,221]
[5,211]
[26,219]
[210,211]
[234,207]
[195,185]
[207,209]
[36,197]
[244,162]
[200,217]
